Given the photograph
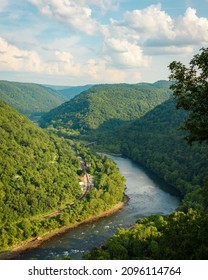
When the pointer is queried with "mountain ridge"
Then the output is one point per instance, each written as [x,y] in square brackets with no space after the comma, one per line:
[30,98]
[103,104]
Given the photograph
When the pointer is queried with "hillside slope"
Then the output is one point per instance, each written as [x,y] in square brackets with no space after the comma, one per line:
[34,168]
[30,99]
[71,92]
[105,107]
[39,180]
[156,142]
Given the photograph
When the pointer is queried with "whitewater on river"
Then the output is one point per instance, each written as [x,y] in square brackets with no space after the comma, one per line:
[147,195]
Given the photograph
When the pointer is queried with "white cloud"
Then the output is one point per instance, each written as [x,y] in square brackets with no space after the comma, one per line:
[124,54]
[74,13]
[67,64]
[105,5]
[152,27]
[98,72]
[62,64]
[191,29]
[120,51]
[150,22]
[14,59]
[133,42]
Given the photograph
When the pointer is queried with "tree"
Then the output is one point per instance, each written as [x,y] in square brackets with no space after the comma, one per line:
[190,89]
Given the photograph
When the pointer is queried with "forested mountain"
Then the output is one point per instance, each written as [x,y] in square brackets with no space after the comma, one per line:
[108,113]
[71,92]
[39,175]
[30,99]
[156,142]
[40,172]
[105,107]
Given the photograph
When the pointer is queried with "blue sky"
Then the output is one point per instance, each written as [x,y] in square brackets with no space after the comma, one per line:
[76,42]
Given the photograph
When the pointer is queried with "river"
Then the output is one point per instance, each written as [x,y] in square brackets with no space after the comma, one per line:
[147,195]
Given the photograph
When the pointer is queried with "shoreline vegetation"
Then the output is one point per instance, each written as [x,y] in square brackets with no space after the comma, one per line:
[37,241]
[40,173]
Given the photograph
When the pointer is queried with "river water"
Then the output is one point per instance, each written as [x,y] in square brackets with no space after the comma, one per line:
[147,195]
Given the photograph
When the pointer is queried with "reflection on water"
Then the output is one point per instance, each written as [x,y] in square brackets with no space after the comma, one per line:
[147,196]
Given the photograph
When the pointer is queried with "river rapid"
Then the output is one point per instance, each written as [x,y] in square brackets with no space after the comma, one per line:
[147,194]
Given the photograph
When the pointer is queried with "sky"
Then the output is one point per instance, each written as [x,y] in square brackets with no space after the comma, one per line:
[78,42]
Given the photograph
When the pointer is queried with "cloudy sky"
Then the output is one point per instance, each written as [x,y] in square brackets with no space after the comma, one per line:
[77,42]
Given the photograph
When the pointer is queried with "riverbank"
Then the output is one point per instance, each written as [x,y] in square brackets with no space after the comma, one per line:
[37,241]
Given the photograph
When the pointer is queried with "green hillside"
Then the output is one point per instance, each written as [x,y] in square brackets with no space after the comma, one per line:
[71,92]
[30,99]
[125,119]
[105,107]
[156,142]
[39,176]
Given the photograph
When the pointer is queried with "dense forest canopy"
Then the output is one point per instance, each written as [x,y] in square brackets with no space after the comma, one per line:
[134,120]
[40,172]
[39,175]
[156,141]
[105,107]
[190,90]
[179,236]
[30,99]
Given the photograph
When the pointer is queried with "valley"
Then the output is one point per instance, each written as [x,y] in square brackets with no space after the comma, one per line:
[40,176]
[103,139]
[53,178]
[147,195]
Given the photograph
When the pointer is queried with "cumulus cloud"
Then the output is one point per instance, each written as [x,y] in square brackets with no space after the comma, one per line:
[61,64]
[74,13]
[191,29]
[188,30]
[124,54]
[153,27]
[122,48]
[132,43]
[150,22]
[14,59]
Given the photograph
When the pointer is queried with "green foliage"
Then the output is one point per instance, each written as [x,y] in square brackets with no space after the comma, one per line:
[39,189]
[30,99]
[173,237]
[39,184]
[37,170]
[106,114]
[156,142]
[190,90]
[104,107]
